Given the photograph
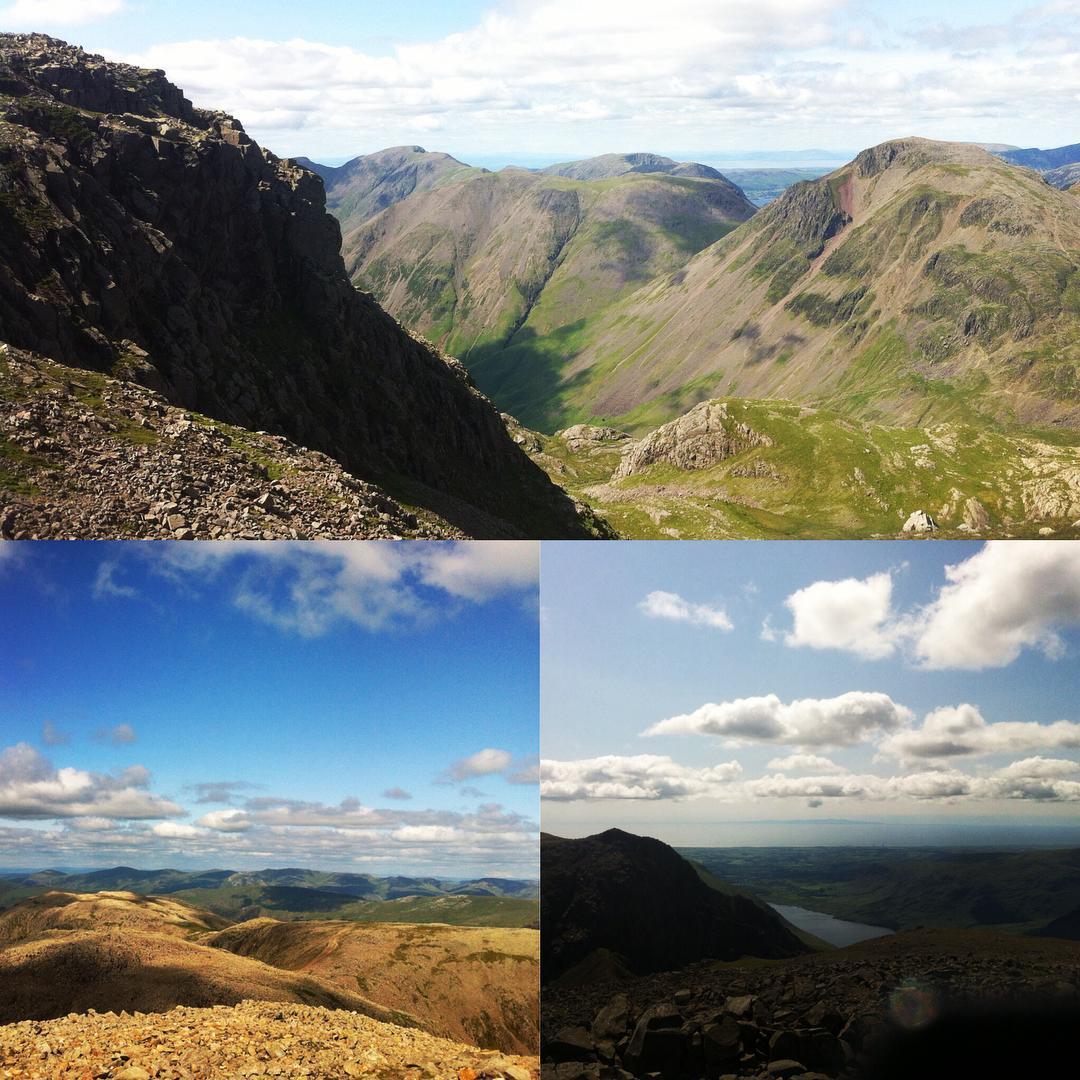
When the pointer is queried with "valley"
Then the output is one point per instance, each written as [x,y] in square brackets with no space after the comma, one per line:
[436,973]
[778,1006]
[900,334]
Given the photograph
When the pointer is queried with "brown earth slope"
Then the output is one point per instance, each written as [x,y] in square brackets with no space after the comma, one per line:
[471,984]
[145,238]
[66,952]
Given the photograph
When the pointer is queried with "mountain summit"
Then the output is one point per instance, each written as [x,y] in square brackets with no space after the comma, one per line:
[158,243]
[641,902]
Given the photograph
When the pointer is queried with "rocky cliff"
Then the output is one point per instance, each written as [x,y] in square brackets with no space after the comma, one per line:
[646,906]
[154,241]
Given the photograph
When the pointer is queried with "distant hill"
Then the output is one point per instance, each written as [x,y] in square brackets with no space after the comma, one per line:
[608,166]
[1043,160]
[1065,176]
[479,986]
[297,893]
[362,187]
[502,267]
[648,907]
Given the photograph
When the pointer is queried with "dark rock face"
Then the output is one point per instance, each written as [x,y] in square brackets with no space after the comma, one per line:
[145,238]
[931,1004]
[640,899]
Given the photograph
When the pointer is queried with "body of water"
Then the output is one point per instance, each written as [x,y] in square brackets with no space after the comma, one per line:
[834,931]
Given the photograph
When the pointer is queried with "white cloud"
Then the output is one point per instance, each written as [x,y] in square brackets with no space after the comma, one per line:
[961,730]
[812,763]
[35,14]
[641,776]
[106,585]
[669,605]
[174,830]
[228,821]
[840,721]
[1012,595]
[482,763]
[851,614]
[372,584]
[480,571]
[31,787]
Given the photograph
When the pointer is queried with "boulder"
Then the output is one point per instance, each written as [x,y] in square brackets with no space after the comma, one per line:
[570,1044]
[920,521]
[612,1020]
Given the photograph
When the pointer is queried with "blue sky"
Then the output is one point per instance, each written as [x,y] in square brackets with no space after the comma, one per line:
[308,675]
[791,681]
[552,79]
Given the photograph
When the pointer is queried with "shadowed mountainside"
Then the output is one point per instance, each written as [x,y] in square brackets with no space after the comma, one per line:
[157,242]
[649,908]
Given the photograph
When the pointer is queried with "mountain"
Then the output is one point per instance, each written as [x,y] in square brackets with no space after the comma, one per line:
[362,187]
[924,281]
[649,908]
[1043,160]
[298,893]
[608,166]
[503,269]
[157,243]
[1064,176]
[479,986]
[63,953]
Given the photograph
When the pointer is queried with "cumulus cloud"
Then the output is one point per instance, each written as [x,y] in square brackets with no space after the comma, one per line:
[961,731]
[396,793]
[309,588]
[1010,596]
[851,614]
[840,721]
[31,787]
[174,830]
[669,605]
[482,763]
[641,776]
[812,763]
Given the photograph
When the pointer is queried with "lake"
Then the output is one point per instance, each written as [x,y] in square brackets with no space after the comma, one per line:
[834,931]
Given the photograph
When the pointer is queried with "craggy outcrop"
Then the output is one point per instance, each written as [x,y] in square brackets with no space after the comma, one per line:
[146,238]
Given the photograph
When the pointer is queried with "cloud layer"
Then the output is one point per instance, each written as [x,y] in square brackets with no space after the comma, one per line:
[845,720]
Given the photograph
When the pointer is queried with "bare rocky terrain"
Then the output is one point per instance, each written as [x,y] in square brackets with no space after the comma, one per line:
[86,456]
[831,1014]
[253,1038]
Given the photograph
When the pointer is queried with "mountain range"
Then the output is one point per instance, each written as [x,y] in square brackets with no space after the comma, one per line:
[899,336]
[63,953]
[158,244]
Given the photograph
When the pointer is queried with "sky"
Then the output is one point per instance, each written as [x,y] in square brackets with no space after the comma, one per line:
[727,693]
[361,706]
[545,80]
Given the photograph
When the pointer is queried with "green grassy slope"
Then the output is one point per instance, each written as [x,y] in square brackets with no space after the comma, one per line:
[825,475]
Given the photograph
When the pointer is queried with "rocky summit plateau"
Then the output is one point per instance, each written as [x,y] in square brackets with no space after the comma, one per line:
[157,245]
